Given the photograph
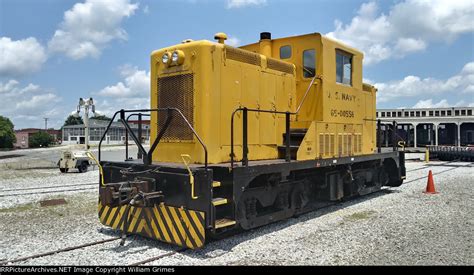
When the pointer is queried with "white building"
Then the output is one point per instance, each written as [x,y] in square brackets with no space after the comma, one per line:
[74,134]
[429,126]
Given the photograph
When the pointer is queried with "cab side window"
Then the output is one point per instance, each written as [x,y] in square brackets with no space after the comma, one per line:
[285,52]
[343,67]
[309,63]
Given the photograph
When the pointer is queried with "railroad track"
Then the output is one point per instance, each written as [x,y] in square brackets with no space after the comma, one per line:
[40,189]
[152,259]
[169,253]
[437,173]
[71,248]
[430,166]
[58,251]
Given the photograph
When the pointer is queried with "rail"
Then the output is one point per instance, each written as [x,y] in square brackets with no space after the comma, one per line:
[147,156]
[395,136]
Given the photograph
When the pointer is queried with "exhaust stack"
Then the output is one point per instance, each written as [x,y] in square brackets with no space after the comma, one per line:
[266,44]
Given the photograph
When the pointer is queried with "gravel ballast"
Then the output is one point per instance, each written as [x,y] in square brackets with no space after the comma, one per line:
[400,226]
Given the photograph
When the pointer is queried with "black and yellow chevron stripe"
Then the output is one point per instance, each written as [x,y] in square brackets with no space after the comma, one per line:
[173,225]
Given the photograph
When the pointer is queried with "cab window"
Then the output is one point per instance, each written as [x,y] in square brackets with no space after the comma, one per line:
[309,63]
[285,52]
[343,68]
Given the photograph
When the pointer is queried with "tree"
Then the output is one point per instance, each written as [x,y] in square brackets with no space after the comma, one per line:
[7,135]
[101,117]
[72,120]
[40,139]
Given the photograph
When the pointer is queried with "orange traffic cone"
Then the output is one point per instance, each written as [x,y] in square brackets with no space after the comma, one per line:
[430,188]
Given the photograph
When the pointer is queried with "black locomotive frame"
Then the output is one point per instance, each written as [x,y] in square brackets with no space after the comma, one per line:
[259,192]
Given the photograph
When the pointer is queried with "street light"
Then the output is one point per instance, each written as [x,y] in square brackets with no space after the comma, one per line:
[86,105]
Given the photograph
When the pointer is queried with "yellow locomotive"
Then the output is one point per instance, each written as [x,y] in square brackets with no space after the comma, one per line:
[242,137]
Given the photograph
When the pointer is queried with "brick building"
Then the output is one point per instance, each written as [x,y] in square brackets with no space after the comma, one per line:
[23,136]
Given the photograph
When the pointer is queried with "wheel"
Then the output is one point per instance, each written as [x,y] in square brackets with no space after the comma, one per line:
[82,168]
[63,170]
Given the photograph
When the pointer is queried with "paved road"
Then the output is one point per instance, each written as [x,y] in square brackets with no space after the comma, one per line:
[50,156]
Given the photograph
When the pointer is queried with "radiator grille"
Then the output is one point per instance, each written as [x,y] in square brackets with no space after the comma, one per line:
[242,56]
[176,92]
[281,66]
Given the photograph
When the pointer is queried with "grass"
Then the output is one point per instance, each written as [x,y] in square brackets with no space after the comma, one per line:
[19,208]
[364,215]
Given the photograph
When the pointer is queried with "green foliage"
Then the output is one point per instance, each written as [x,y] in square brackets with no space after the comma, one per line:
[101,117]
[40,139]
[7,135]
[72,120]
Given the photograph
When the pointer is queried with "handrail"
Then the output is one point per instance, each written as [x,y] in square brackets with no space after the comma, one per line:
[147,155]
[306,93]
[244,141]
[139,132]
[245,148]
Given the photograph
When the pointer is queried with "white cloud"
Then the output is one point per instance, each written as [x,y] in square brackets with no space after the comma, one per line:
[429,104]
[135,83]
[133,92]
[146,9]
[89,27]
[19,57]
[27,105]
[244,3]
[414,86]
[408,27]
[233,41]
[443,103]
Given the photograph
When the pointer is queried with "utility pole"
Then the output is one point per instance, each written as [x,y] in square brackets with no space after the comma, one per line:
[46,123]
[86,104]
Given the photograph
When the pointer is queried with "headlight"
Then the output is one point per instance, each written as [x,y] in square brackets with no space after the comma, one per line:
[165,58]
[177,58]
[174,57]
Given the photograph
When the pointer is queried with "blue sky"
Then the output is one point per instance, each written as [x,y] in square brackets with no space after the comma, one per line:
[418,53]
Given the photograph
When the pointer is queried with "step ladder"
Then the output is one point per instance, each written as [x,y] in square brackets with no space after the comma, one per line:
[296,137]
[218,203]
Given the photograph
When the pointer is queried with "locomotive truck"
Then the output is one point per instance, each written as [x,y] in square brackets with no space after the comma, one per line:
[243,137]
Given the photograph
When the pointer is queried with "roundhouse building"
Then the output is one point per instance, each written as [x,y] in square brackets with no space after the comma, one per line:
[75,134]
[428,126]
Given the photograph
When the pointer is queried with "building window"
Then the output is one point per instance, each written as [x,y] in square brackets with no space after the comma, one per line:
[309,63]
[443,113]
[377,114]
[399,114]
[285,52]
[423,113]
[406,113]
[343,68]
[412,114]
[449,113]
[383,114]
[388,114]
[394,114]
[418,113]
[469,112]
[463,112]
[436,113]
[431,113]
